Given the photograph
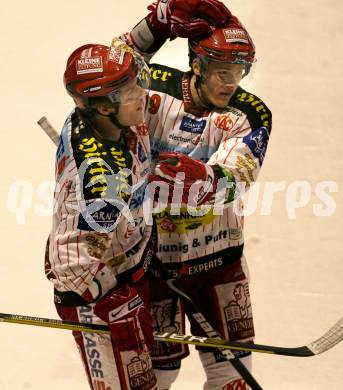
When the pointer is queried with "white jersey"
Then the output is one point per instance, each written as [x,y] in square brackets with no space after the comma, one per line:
[233,140]
[90,231]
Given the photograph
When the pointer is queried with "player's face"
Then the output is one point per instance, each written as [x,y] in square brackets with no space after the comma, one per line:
[220,82]
[132,104]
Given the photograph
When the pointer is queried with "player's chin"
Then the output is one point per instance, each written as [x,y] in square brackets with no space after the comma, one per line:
[221,100]
[135,118]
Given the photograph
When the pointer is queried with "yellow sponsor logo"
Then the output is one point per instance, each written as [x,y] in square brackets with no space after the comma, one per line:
[158,74]
[182,223]
[245,168]
[259,106]
[93,151]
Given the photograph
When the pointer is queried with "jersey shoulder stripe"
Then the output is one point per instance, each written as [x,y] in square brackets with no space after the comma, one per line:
[254,108]
[166,80]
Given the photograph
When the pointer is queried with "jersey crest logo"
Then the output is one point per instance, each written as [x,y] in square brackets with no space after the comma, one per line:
[257,142]
[225,122]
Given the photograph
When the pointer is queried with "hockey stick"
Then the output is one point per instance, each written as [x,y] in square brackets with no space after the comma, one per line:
[192,309]
[49,130]
[332,337]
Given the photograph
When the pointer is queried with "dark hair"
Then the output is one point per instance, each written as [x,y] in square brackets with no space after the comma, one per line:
[191,56]
[93,102]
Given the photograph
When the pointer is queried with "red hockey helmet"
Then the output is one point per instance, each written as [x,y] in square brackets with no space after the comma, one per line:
[96,70]
[230,44]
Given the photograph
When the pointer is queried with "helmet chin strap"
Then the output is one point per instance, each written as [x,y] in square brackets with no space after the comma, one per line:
[113,118]
[115,121]
[203,100]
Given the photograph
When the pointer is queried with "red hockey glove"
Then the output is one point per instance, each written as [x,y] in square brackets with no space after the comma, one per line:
[191,181]
[129,320]
[186,18]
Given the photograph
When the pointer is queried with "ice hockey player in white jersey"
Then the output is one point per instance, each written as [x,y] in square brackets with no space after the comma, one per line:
[204,126]
[100,246]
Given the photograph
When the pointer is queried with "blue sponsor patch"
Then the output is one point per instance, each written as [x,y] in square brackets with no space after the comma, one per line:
[257,142]
[137,197]
[192,125]
[60,157]
[200,153]
[97,217]
[158,146]
[60,150]
[141,154]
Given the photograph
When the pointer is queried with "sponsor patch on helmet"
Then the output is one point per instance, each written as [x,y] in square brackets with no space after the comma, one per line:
[89,65]
[116,54]
[235,35]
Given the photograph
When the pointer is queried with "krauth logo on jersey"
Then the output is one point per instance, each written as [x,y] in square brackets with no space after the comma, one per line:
[257,142]
[225,122]
[192,125]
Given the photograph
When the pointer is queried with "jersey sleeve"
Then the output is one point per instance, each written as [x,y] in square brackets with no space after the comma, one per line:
[141,38]
[241,152]
[165,90]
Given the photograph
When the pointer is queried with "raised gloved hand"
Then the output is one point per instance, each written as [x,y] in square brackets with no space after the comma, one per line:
[186,18]
[129,320]
[191,181]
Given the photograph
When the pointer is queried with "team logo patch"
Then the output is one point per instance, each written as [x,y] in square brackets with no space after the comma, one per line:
[140,373]
[257,142]
[225,122]
[192,125]
[238,312]
[103,217]
[167,318]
